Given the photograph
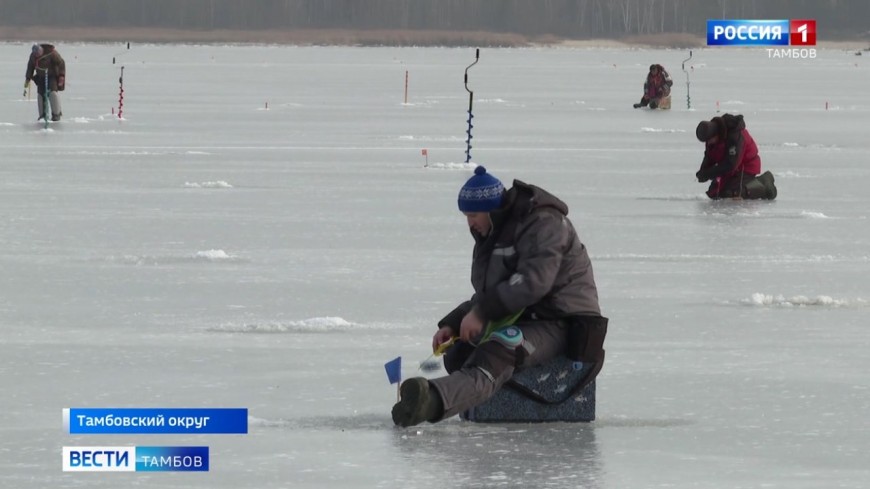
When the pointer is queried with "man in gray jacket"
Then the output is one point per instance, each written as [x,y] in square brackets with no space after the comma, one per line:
[531,275]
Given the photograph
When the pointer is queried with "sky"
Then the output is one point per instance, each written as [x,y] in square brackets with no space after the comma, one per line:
[259,230]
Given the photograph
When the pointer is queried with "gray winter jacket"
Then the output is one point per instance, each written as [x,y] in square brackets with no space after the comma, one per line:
[532,259]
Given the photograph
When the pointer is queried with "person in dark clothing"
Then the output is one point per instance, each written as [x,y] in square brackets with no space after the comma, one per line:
[46,67]
[530,272]
[731,160]
[657,86]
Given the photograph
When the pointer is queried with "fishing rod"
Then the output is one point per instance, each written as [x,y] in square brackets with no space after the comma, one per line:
[492,327]
[46,101]
[121,95]
[470,103]
[121,83]
[45,96]
[688,98]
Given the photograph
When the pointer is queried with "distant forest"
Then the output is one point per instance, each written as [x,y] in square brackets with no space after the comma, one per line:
[569,19]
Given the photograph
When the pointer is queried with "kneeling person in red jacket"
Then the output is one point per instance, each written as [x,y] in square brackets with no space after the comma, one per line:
[731,161]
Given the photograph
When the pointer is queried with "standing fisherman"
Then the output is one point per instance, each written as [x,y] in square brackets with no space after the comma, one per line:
[47,69]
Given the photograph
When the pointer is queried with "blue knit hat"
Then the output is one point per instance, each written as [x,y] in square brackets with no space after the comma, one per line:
[481,193]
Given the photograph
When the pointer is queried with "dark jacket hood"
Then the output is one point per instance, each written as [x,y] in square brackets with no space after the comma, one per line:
[729,125]
[523,199]
[529,198]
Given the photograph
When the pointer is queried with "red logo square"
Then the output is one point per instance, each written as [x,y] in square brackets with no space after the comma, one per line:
[802,32]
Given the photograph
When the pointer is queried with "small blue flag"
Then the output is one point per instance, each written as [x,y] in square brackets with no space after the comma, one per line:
[394,370]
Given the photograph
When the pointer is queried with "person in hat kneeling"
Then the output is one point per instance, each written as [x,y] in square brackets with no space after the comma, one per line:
[656,89]
[530,272]
[731,161]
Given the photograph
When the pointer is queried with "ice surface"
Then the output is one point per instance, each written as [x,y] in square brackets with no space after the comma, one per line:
[208,251]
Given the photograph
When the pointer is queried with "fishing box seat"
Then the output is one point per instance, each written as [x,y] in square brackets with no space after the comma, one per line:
[664,103]
[550,392]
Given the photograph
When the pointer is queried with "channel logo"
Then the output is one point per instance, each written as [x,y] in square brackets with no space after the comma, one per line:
[135,459]
[722,32]
[99,459]
[802,32]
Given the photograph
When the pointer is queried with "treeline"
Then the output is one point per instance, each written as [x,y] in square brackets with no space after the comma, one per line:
[573,19]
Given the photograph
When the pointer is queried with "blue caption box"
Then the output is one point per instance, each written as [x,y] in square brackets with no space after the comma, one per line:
[171,459]
[721,32]
[155,421]
[135,459]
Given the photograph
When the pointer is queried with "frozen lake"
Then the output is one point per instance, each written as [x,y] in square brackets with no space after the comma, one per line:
[209,250]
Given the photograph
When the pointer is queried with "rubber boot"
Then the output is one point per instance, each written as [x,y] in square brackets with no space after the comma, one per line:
[754,189]
[767,179]
[419,402]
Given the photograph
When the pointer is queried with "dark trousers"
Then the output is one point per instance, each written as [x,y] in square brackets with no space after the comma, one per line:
[476,373]
[735,186]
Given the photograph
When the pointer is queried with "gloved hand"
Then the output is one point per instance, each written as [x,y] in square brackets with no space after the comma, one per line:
[442,336]
[61,83]
[701,177]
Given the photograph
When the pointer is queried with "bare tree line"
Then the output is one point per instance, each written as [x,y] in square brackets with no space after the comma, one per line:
[576,19]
